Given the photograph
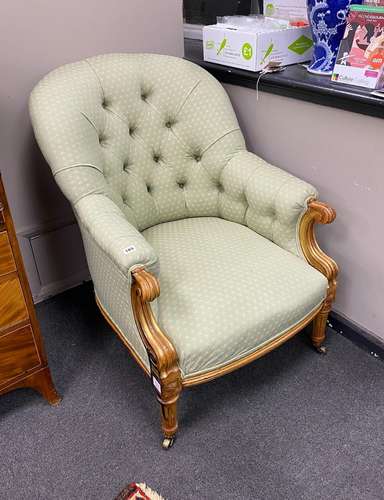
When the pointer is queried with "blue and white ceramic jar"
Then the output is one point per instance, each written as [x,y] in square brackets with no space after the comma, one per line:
[327,19]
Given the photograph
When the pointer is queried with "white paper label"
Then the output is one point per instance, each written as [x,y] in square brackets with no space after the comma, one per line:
[129,249]
[157,385]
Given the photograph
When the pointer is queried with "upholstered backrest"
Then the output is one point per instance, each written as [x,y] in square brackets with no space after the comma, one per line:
[154,133]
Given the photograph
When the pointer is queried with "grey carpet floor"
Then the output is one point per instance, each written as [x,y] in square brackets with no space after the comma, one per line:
[293,425]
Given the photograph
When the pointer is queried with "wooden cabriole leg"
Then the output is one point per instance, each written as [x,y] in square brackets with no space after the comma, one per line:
[169,422]
[167,384]
[319,331]
[319,213]
[163,359]
[41,382]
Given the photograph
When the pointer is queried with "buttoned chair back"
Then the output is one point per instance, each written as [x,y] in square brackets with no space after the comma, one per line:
[154,133]
[159,137]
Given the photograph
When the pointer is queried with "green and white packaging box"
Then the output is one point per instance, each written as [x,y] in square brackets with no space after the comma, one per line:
[253,51]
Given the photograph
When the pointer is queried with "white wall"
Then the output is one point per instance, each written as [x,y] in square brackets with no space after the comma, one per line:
[341,154]
[37,36]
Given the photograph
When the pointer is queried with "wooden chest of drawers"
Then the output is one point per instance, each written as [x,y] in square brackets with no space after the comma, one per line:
[23,361]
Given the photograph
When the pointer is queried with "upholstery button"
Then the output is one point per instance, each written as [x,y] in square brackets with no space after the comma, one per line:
[220,187]
[132,130]
[169,124]
[181,185]
[149,189]
[104,103]
[156,158]
[126,166]
[102,140]
[197,157]
[145,91]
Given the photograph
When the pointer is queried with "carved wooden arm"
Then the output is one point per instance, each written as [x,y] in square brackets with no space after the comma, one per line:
[145,289]
[321,213]
[163,358]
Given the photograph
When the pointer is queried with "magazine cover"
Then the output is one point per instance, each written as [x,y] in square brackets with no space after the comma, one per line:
[361,54]
[374,3]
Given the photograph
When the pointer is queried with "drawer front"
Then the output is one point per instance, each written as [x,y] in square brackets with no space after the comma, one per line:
[18,354]
[7,262]
[12,303]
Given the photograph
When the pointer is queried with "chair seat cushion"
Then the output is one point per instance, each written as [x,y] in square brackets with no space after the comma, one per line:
[226,290]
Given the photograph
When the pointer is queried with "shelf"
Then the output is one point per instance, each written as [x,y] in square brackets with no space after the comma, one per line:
[293,82]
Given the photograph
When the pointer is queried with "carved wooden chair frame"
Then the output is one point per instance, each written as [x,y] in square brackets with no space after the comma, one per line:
[164,364]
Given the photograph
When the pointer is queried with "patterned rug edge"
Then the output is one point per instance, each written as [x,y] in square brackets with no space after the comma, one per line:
[138,491]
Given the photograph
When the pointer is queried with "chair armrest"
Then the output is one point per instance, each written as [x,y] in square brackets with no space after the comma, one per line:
[319,213]
[110,230]
[113,234]
[267,199]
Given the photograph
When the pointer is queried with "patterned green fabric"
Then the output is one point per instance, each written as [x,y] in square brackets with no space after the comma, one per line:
[158,136]
[265,198]
[225,290]
[115,236]
[113,289]
[137,140]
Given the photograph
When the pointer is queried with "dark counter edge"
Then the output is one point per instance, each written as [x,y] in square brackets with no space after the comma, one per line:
[294,82]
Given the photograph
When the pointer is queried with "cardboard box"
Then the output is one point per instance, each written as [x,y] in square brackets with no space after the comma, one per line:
[253,51]
[286,8]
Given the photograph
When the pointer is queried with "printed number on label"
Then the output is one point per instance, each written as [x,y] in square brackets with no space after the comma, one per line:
[157,385]
[129,249]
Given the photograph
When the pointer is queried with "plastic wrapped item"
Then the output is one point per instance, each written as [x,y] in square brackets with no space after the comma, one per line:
[254,23]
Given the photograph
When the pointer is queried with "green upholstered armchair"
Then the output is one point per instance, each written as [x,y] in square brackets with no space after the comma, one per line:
[203,256]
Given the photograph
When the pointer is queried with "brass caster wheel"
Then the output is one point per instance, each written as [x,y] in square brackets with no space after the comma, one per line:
[168,442]
[321,349]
